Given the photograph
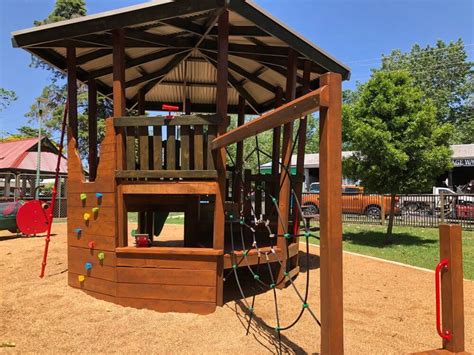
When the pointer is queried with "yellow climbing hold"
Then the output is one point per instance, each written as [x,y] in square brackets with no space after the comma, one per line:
[83,196]
[95,210]
[81,278]
[87,216]
[101,256]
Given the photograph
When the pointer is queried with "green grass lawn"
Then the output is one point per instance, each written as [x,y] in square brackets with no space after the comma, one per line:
[412,246]
[173,218]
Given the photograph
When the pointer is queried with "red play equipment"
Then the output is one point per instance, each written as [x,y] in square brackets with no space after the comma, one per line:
[169,108]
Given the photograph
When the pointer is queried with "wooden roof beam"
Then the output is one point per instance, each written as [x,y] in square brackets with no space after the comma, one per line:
[248,75]
[134,62]
[237,86]
[159,40]
[287,113]
[114,19]
[89,57]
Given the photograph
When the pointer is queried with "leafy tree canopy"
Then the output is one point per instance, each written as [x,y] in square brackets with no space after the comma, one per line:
[444,75]
[6,98]
[401,146]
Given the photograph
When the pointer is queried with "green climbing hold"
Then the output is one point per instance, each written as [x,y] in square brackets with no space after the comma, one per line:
[272,286]
[246,253]
[256,277]
[307,234]
[234,266]
[274,199]
[251,309]
[231,216]
[305,305]
[277,329]
[286,273]
[286,235]
[242,221]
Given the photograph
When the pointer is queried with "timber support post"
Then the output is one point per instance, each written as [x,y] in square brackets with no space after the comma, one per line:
[92,127]
[330,176]
[452,297]
[72,92]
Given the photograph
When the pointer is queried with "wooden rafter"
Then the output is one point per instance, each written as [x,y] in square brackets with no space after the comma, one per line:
[88,57]
[246,74]
[181,57]
[237,86]
[133,62]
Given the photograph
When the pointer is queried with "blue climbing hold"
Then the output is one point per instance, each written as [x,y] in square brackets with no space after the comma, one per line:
[78,231]
[98,194]
[88,266]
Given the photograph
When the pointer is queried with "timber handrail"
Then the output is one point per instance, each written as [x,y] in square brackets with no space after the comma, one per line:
[287,113]
[184,120]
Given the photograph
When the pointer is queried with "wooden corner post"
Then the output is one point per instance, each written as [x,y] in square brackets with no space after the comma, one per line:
[221,110]
[452,297]
[92,127]
[72,92]
[119,111]
[330,177]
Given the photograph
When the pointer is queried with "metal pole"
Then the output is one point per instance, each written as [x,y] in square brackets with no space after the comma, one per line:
[38,158]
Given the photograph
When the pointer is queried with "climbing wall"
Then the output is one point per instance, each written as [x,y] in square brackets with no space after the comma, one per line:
[92,223]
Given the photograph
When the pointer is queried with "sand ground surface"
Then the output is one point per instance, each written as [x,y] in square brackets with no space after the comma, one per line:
[389,309]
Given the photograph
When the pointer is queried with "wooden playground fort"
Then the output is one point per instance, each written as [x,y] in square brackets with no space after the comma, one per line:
[208,59]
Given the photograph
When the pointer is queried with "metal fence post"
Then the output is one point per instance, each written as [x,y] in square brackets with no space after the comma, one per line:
[441,206]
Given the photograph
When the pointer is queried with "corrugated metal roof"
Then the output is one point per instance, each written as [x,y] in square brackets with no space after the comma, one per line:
[168,24]
[22,155]
[463,151]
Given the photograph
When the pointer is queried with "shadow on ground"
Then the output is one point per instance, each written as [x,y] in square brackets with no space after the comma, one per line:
[377,239]
[263,333]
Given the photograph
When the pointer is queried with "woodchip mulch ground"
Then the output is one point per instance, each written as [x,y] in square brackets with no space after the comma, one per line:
[388,309]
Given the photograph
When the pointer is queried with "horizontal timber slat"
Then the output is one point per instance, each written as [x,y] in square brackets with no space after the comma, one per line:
[202,308]
[97,271]
[166,276]
[169,251]
[188,262]
[287,113]
[171,188]
[107,200]
[157,174]
[167,292]
[185,120]
[92,284]
[83,255]
[100,242]
[104,214]
[91,229]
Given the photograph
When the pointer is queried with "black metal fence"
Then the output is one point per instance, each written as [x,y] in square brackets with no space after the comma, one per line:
[418,210]
[14,187]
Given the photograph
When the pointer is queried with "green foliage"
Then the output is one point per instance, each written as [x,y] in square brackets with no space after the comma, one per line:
[24,132]
[401,146]
[6,98]
[64,10]
[445,75]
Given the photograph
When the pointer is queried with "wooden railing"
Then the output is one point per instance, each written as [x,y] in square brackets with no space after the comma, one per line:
[159,147]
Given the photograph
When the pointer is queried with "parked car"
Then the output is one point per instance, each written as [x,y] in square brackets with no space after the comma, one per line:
[353,201]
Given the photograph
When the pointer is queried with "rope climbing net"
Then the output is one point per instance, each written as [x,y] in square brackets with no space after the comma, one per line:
[249,223]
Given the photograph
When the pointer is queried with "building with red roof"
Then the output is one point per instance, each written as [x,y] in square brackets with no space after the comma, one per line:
[20,156]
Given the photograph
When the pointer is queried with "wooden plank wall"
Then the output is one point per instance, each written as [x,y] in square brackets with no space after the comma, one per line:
[178,283]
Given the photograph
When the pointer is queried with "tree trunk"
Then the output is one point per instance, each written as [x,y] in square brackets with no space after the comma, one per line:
[388,239]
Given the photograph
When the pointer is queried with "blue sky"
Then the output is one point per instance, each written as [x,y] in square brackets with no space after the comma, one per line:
[356,32]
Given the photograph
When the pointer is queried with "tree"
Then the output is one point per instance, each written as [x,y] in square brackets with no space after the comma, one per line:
[56,92]
[6,98]
[24,132]
[444,74]
[401,147]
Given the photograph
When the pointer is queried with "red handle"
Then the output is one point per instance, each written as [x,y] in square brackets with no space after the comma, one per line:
[442,266]
[170,108]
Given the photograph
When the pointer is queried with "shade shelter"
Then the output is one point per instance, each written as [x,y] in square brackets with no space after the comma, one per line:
[214,57]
